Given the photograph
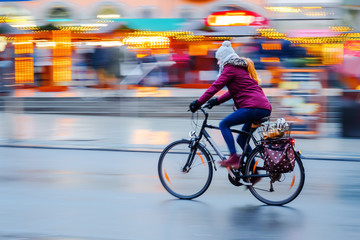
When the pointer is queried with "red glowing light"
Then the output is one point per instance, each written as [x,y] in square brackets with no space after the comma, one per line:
[235,18]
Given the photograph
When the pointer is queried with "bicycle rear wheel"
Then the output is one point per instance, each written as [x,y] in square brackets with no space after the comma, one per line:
[284,187]
[181,179]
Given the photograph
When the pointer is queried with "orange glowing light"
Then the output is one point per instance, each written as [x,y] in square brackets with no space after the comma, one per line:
[256,163]
[142,55]
[152,92]
[147,42]
[166,176]
[271,46]
[202,159]
[24,70]
[61,56]
[307,133]
[24,92]
[292,182]
[269,59]
[23,45]
[235,18]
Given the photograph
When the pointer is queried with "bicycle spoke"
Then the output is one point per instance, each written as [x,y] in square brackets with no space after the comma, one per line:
[260,189]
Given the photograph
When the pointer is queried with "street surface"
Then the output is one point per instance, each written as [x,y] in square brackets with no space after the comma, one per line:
[52,194]
[135,133]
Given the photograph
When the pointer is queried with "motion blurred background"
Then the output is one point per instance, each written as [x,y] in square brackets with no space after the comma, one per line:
[151,58]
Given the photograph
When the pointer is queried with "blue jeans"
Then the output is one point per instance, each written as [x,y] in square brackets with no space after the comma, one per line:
[244,116]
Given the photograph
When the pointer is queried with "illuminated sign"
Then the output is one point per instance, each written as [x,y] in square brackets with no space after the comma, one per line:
[235,18]
[147,42]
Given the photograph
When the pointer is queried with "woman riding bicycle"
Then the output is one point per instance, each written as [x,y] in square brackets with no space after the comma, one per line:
[241,79]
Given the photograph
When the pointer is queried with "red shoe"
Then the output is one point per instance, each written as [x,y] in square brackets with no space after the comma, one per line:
[233,161]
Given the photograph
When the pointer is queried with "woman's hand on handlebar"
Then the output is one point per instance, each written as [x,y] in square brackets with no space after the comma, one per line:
[194,106]
[212,102]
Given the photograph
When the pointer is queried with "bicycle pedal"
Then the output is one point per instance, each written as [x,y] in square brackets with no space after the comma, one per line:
[245,183]
[231,173]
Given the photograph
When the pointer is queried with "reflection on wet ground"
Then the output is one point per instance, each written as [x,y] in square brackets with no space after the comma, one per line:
[85,195]
[99,130]
[106,132]
[262,222]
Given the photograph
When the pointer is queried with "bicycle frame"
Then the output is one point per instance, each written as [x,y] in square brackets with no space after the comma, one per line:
[177,176]
[204,133]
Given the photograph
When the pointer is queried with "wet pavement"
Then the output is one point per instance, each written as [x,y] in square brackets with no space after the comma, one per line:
[52,194]
[138,134]
[73,177]
[19,129]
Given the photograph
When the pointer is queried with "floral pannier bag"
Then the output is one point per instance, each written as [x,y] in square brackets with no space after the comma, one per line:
[279,155]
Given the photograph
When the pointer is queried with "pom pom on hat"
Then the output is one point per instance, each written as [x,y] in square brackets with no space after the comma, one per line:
[226,44]
[224,51]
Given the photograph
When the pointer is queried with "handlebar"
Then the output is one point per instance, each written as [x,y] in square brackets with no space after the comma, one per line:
[204,124]
[207,105]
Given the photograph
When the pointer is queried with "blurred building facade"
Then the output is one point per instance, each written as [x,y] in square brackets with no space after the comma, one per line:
[301,48]
[58,41]
[167,27]
[87,12]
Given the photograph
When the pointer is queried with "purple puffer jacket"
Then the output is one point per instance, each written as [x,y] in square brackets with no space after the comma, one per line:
[244,90]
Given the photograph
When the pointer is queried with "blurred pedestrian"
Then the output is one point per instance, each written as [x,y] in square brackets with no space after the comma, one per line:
[150,65]
[100,61]
[6,68]
[113,67]
[181,66]
[42,66]
[240,77]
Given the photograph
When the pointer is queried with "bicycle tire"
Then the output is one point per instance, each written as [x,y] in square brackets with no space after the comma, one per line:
[185,185]
[286,187]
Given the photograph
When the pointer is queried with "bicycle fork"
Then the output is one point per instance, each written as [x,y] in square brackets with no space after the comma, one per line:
[191,156]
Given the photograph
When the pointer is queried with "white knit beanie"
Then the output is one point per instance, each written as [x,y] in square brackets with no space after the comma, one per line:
[225,51]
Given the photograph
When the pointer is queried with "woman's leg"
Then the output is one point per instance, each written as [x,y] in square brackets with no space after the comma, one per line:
[238,117]
[256,115]
[241,140]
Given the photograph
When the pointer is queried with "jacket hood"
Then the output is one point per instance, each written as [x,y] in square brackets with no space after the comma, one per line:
[238,62]
[234,60]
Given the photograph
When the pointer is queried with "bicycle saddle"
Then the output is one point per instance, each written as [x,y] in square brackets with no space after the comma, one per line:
[258,123]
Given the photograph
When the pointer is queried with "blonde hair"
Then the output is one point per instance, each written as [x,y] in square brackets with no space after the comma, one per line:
[252,71]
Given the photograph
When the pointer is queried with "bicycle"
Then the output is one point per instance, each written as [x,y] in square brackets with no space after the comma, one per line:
[185,168]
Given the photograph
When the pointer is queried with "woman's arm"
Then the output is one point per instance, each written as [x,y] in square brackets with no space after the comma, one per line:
[225,97]
[219,84]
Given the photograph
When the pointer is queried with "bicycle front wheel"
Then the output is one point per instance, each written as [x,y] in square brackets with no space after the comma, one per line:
[184,171]
[278,190]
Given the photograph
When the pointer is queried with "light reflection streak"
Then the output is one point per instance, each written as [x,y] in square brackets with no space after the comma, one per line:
[64,127]
[23,127]
[144,136]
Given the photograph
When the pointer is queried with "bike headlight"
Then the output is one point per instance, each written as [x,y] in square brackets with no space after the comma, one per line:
[192,133]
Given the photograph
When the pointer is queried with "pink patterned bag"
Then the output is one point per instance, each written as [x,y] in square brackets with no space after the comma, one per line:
[279,155]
